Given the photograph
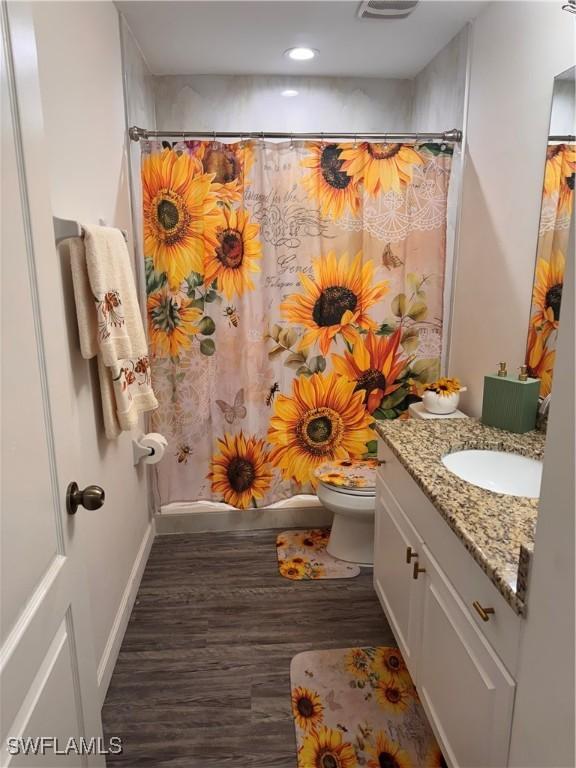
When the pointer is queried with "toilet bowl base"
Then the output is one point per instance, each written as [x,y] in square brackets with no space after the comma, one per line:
[352,539]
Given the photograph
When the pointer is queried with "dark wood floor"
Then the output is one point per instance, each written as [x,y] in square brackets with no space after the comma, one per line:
[202,680]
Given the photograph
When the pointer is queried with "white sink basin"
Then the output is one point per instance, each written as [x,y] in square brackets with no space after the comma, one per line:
[497,471]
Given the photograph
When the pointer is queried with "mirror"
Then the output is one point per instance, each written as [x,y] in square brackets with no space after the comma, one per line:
[552,249]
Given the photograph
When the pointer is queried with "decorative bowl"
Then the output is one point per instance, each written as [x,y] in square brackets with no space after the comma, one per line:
[440,404]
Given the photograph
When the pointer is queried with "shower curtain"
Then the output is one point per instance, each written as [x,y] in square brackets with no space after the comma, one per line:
[294,296]
[557,205]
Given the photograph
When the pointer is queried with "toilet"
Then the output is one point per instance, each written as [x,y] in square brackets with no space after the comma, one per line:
[348,489]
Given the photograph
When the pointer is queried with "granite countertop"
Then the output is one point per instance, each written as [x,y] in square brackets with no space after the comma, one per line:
[497,530]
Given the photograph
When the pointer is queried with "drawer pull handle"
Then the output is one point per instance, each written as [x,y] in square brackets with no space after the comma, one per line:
[417,570]
[410,554]
[484,613]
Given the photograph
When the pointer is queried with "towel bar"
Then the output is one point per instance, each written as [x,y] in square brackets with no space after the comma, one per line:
[65,228]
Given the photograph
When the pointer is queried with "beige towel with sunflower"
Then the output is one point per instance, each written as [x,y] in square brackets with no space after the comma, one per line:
[110,326]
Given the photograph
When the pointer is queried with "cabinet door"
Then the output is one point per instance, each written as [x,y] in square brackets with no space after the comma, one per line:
[393,581]
[465,689]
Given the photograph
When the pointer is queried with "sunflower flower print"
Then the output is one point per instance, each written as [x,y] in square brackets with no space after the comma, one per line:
[394,696]
[307,708]
[240,472]
[375,364]
[559,174]
[323,419]
[385,752]
[335,300]
[358,663]
[180,214]
[229,165]
[381,167]
[294,569]
[547,293]
[332,188]
[172,322]
[540,361]
[236,255]
[389,666]
[326,748]
[435,758]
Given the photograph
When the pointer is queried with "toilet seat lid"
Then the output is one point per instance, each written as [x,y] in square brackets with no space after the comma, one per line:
[364,492]
[355,476]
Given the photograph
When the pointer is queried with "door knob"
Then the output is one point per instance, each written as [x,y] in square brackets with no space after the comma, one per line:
[92,497]
[484,613]
[417,570]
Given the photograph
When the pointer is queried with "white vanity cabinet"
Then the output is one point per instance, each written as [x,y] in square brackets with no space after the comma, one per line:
[454,657]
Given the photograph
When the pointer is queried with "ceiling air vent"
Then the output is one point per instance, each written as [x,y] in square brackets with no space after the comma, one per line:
[386,9]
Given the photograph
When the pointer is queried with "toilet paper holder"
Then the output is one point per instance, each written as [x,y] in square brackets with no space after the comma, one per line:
[141,451]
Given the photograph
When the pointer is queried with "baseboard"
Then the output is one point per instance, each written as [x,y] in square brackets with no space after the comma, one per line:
[204,521]
[112,648]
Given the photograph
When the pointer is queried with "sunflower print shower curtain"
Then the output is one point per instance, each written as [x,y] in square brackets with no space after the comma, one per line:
[557,208]
[294,297]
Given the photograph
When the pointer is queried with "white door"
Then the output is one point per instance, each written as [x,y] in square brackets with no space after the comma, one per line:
[464,687]
[47,667]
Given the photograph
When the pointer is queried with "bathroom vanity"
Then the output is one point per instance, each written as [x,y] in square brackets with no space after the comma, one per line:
[450,570]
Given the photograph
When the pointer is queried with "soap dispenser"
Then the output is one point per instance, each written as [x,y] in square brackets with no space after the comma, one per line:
[510,402]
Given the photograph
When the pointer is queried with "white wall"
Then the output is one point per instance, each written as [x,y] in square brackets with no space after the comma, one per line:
[439,88]
[562,118]
[81,83]
[238,103]
[438,104]
[141,111]
[517,49]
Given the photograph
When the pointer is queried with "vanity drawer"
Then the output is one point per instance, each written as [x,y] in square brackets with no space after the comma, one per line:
[398,489]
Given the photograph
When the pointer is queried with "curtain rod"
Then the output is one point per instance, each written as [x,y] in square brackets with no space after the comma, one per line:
[136,134]
[566,137]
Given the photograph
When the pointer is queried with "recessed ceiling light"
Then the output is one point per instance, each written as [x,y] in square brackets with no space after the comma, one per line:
[289,93]
[301,54]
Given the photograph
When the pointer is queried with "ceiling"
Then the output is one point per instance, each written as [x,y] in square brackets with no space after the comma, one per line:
[249,38]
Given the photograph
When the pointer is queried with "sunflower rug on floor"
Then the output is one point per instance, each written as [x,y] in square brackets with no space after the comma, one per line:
[357,707]
[302,555]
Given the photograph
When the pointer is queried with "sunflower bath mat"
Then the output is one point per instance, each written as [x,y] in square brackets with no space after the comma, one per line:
[303,555]
[358,707]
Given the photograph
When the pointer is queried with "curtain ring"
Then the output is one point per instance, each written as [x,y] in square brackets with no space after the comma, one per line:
[291,141]
[355,140]
[213,137]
